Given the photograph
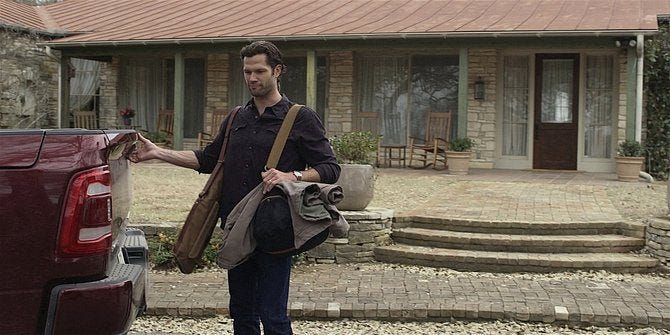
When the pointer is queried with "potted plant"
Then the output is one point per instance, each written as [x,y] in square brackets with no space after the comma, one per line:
[459,154]
[630,156]
[354,152]
[127,115]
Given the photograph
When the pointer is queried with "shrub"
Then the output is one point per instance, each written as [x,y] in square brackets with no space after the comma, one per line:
[161,256]
[629,148]
[354,147]
[155,136]
[461,144]
[657,99]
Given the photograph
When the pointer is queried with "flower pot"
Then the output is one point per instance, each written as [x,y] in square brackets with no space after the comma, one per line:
[459,162]
[126,121]
[358,185]
[628,168]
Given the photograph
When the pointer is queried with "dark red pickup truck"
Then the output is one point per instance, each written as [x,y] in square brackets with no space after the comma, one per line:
[69,263]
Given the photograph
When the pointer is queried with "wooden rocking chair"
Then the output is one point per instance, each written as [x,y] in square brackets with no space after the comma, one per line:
[433,147]
[166,124]
[85,119]
[207,136]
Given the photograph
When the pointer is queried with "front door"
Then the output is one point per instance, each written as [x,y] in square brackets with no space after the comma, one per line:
[556,101]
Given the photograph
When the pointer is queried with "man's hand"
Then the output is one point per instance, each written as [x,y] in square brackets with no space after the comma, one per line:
[273,177]
[144,151]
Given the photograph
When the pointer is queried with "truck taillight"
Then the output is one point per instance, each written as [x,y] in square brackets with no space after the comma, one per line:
[86,226]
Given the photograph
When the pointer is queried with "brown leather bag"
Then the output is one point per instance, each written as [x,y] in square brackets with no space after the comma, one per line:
[201,220]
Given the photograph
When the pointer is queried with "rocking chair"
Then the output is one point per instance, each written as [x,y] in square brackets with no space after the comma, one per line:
[433,147]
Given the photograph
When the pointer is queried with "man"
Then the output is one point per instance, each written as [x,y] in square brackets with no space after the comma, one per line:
[259,287]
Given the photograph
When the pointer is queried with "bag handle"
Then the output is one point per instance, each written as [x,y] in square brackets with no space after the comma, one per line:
[280,140]
[225,137]
[219,163]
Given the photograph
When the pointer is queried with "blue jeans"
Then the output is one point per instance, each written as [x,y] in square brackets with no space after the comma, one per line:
[259,292]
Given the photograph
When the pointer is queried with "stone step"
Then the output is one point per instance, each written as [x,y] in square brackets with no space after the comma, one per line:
[523,228]
[492,261]
[516,243]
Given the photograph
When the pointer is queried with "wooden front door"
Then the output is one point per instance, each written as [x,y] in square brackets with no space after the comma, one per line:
[556,101]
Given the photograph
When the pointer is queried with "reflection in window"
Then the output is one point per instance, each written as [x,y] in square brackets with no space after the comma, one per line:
[383,83]
[434,88]
[598,106]
[403,92]
[515,106]
[557,90]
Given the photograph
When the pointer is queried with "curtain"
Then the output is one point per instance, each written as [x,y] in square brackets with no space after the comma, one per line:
[384,91]
[598,106]
[557,90]
[142,82]
[84,85]
[515,106]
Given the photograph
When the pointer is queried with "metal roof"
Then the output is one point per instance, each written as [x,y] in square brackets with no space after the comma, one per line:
[136,22]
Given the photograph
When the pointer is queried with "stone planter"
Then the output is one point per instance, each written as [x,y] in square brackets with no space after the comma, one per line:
[358,185]
[628,168]
[459,162]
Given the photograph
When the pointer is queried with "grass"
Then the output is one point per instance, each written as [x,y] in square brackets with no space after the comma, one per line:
[163,193]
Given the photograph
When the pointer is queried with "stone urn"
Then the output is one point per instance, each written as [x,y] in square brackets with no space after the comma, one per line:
[358,185]
[628,168]
[459,162]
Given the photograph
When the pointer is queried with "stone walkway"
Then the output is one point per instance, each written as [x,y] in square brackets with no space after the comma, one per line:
[396,292]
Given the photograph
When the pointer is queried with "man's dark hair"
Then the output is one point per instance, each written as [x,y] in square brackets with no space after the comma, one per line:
[264,47]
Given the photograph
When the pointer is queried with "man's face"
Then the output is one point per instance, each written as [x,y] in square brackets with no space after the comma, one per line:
[260,77]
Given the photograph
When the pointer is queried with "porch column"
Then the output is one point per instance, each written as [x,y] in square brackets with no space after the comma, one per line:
[631,90]
[178,127]
[462,127]
[311,80]
[64,92]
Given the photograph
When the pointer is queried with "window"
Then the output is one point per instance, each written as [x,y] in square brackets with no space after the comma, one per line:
[598,106]
[515,106]
[403,89]
[85,85]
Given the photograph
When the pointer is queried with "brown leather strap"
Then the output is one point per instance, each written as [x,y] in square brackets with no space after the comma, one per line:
[225,137]
[280,141]
[218,168]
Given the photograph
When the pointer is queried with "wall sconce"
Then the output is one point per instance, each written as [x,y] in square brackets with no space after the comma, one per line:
[480,86]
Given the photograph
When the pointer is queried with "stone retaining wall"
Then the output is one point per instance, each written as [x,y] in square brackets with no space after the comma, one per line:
[658,239]
[368,229]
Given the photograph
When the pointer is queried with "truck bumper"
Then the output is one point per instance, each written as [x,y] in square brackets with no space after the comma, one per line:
[107,306]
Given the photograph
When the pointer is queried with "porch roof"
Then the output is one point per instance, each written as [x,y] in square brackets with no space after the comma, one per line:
[138,22]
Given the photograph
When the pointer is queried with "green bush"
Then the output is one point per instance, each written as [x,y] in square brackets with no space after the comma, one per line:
[354,147]
[155,136]
[461,144]
[657,99]
[629,148]
[162,258]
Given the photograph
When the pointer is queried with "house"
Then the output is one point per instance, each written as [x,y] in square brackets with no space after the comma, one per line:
[543,84]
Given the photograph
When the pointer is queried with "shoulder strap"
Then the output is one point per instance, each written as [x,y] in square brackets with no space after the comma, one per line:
[280,141]
[222,154]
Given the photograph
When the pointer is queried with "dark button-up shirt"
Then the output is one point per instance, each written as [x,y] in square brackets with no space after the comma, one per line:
[251,139]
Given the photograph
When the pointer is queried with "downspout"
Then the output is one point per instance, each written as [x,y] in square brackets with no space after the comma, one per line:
[638,98]
[639,87]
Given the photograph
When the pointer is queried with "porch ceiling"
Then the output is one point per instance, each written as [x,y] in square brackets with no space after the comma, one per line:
[137,22]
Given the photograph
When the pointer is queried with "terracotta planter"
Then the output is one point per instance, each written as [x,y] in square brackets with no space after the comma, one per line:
[358,185]
[459,162]
[628,168]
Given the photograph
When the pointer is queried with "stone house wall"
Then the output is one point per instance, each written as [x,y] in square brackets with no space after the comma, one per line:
[28,82]
[339,112]
[482,113]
